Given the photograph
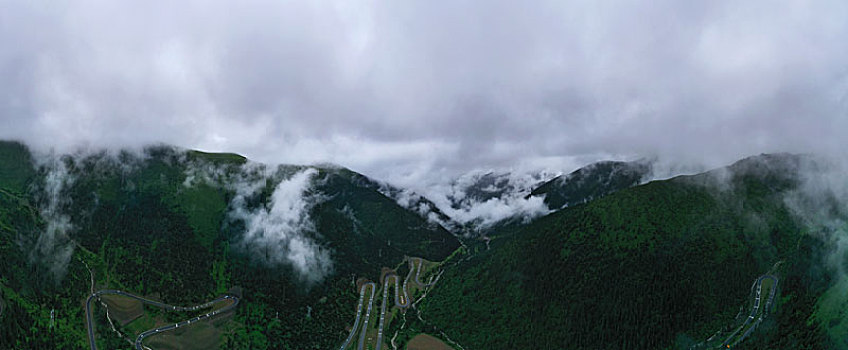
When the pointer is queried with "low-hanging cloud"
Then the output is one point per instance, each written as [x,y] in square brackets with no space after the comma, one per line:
[409,90]
[278,232]
[475,201]
[53,246]
[821,204]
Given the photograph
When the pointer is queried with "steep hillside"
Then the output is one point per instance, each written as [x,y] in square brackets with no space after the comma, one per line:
[414,202]
[488,203]
[667,264]
[591,182]
[585,184]
[481,187]
[477,202]
[186,226]
[17,170]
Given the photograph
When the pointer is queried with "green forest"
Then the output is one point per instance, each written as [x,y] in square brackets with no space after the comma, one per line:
[662,265]
[141,229]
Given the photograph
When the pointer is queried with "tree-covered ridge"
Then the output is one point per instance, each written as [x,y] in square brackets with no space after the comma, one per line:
[17,169]
[159,223]
[592,181]
[661,265]
[666,264]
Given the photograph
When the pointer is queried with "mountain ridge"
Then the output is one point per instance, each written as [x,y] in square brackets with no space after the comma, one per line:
[584,270]
[187,226]
[293,239]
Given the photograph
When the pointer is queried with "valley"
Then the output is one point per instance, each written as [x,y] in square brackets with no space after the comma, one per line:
[695,248]
[402,301]
[141,224]
[423,175]
[307,257]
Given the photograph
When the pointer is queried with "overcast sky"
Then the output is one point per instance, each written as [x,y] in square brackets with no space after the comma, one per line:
[405,90]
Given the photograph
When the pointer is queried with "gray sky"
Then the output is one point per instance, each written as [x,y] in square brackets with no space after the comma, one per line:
[413,90]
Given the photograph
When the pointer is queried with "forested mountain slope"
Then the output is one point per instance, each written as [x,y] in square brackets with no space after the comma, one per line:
[666,264]
[186,226]
[585,184]
[592,181]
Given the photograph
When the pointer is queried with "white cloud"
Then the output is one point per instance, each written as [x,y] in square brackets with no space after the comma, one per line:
[430,90]
[821,202]
[479,198]
[278,232]
[54,247]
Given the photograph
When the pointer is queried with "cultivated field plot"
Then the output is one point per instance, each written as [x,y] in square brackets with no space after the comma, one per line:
[427,342]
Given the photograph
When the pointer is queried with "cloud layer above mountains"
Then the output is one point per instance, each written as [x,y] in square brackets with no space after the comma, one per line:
[409,91]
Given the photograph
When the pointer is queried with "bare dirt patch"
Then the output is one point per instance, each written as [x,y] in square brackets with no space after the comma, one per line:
[201,335]
[426,342]
[123,309]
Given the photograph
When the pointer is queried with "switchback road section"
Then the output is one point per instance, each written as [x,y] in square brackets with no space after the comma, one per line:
[402,301]
[759,310]
[167,307]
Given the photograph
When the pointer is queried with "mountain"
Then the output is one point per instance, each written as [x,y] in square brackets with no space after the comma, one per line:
[592,181]
[410,200]
[482,203]
[475,203]
[538,198]
[666,264]
[617,262]
[479,187]
[185,227]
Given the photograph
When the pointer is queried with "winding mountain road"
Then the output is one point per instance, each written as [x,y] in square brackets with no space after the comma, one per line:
[359,311]
[755,310]
[367,318]
[398,303]
[401,301]
[140,338]
[418,274]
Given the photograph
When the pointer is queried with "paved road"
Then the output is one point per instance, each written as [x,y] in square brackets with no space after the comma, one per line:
[140,338]
[383,309]
[359,311]
[754,311]
[418,274]
[401,301]
[405,303]
[367,318]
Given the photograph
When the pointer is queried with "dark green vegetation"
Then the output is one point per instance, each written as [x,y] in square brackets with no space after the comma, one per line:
[17,169]
[665,264]
[418,204]
[382,231]
[661,265]
[580,186]
[151,225]
[592,182]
